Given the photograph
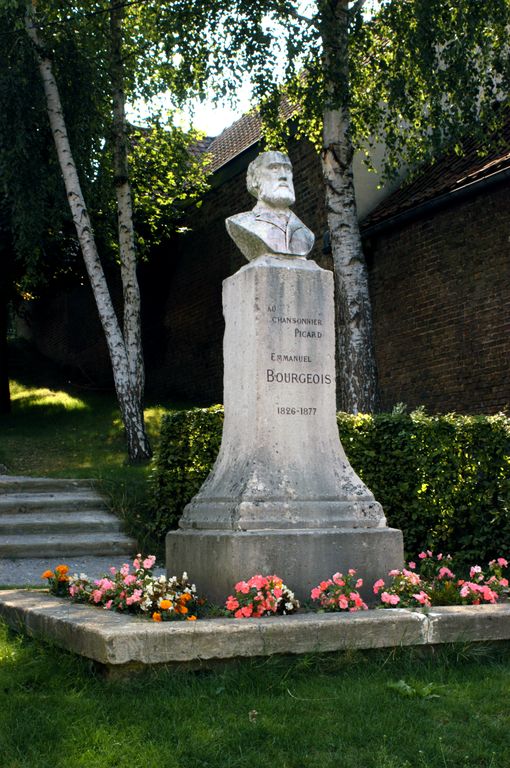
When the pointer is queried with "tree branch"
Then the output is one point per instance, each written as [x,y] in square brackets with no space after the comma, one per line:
[358,5]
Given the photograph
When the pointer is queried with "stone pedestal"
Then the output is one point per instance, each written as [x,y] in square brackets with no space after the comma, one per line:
[282,496]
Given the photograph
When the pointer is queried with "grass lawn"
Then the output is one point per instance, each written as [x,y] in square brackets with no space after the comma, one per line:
[334,711]
[57,429]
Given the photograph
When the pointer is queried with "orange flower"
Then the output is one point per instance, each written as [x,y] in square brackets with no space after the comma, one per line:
[63,578]
[165,605]
[186,596]
[156,616]
[47,575]
[191,618]
[183,609]
[62,569]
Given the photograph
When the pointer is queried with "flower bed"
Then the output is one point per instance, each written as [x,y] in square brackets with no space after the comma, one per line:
[134,589]
[130,589]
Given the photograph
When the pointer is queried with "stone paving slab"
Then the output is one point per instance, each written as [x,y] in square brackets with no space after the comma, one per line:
[117,641]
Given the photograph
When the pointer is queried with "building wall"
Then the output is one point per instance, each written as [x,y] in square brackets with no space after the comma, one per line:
[192,364]
[441,301]
[440,290]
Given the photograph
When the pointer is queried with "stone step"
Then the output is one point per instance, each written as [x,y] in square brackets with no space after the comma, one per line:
[46,545]
[88,521]
[13,484]
[19,502]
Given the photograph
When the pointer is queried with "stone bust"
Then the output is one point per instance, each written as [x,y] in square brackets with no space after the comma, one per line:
[270,227]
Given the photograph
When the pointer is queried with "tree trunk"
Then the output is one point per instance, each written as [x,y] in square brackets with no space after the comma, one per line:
[5,397]
[126,387]
[357,373]
[127,249]
[6,293]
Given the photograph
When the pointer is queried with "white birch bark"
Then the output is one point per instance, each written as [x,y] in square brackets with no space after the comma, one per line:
[357,374]
[129,402]
[127,248]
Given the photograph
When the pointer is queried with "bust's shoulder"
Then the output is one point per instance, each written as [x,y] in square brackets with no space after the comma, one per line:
[241,219]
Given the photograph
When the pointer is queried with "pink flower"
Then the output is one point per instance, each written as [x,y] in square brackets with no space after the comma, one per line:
[343,603]
[129,579]
[474,570]
[503,582]
[97,595]
[502,562]
[242,587]
[325,584]
[135,597]
[488,595]
[394,572]
[378,585]
[429,553]
[277,592]
[232,604]
[338,579]
[247,611]
[108,605]
[359,583]
[422,598]
[440,556]
[105,584]
[358,602]
[445,573]
[422,555]
[124,570]
[259,582]
[351,572]
[468,587]
[149,562]
[113,570]
[390,599]
[412,565]
[136,564]
[315,593]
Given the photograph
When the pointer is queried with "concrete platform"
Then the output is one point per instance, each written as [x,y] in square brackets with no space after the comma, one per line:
[120,643]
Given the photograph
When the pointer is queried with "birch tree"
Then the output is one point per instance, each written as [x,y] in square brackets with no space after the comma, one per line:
[137,61]
[418,75]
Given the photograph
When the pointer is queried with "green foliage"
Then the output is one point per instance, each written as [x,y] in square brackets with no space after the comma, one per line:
[166,48]
[165,171]
[189,443]
[418,75]
[444,480]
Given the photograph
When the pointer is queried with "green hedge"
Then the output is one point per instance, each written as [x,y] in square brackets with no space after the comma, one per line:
[444,480]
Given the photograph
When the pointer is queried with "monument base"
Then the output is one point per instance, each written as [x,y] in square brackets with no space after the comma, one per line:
[216,560]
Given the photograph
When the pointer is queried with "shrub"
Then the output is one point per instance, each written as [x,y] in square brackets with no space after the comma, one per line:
[444,480]
[190,441]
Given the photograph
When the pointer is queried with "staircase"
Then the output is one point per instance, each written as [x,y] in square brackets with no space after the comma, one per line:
[44,518]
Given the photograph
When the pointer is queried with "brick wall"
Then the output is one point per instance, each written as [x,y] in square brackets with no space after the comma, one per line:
[441,301]
[440,290]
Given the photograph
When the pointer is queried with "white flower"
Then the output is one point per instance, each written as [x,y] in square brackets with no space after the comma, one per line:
[289,606]
[184,576]
[162,579]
